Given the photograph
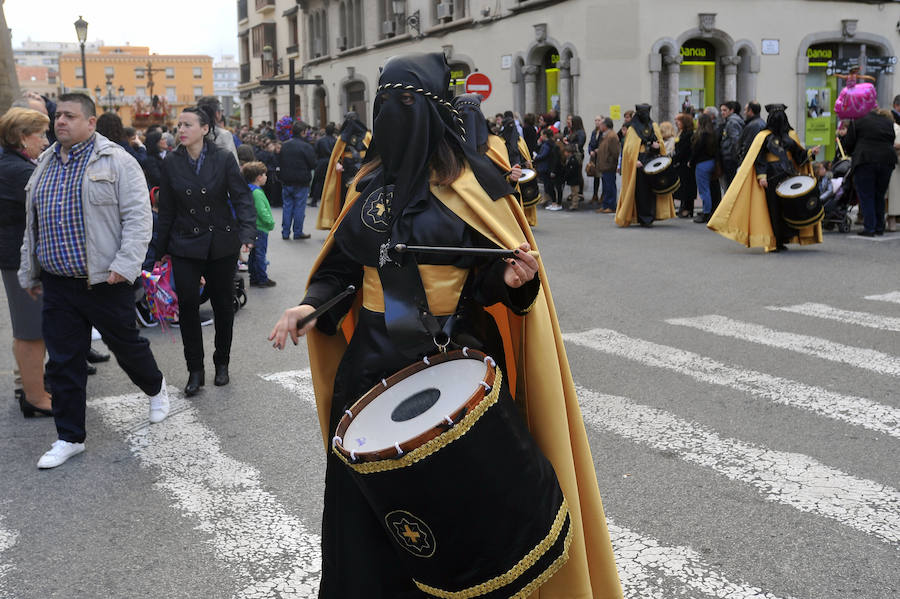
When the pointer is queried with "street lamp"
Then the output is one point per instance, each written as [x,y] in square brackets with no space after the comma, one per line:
[81,31]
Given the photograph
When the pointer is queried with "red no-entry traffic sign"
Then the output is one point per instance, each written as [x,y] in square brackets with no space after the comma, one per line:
[478,83]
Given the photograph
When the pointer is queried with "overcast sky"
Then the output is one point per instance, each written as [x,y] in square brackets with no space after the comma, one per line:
[173,26]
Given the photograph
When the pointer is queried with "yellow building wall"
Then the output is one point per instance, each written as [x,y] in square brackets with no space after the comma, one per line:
[125,62]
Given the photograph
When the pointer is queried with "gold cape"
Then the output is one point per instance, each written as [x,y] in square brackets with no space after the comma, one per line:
[743,214]
[551,406]
[499,155]
[330,202]
[626,211]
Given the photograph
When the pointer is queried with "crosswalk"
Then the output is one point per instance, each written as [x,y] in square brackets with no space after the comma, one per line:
[273,552]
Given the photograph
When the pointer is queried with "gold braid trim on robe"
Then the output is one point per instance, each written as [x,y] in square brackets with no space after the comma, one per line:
[626,211]
[530,211]
[743,214]
[330,202]
[550,405]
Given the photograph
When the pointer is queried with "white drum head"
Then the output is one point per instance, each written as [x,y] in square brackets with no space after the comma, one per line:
[527,175]
[657,165]
[795,187]
[414,405]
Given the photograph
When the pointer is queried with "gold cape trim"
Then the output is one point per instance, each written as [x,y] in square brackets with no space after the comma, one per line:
[435,445]
[514,573]
[626,211]
[539,379]
[743,214]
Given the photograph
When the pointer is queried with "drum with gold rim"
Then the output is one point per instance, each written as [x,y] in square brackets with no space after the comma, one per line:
[446,462]
[528,188]
[663,178]
[800,203]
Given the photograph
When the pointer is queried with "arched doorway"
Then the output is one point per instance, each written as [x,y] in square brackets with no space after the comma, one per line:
[248,112]
[320,106]
[697,78]
[548,80]
[355,99]
[273,110]
[458,73]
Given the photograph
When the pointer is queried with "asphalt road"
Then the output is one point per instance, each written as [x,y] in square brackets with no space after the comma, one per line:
[742,408]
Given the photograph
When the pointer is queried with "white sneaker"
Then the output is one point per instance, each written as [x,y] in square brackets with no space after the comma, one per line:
[59,453]
[159,404]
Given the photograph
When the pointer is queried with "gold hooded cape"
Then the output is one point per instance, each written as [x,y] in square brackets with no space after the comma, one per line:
[540,376]
[330,202]
[626,211]
[743,214]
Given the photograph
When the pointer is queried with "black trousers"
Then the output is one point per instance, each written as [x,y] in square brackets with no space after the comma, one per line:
[783,231]
[70,309]
[219,275]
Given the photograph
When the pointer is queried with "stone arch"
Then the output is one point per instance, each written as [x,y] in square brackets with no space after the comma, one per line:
[534,77]
[516,77]
[726,61]
[347,85]
[884,85]
[665,68]
[747,71]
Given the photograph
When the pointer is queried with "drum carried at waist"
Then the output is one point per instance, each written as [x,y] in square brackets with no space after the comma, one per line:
[800,203]
[446,462]
[663,177]
[528,188]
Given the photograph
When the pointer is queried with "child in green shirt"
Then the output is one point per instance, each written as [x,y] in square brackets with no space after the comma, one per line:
[255,175]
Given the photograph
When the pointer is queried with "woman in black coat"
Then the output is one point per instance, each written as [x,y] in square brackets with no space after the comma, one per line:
[681,158]
[23,138]
[206,213]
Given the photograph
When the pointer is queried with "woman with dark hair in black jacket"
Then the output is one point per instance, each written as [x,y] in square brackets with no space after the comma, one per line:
[206,213]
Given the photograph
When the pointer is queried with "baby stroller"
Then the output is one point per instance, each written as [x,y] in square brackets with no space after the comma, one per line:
[837,206]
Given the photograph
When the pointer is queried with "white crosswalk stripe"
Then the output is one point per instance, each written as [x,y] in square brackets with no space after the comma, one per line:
[789,478]
[862,319]
[7,541]
[860,357]
[266,547]
[893,297]
[641,560]
[854,410]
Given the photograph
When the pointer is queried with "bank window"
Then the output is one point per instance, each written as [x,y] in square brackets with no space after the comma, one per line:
[198,72]
[170,72]
[697,83]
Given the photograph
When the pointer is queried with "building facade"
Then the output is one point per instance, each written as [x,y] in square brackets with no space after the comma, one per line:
[33,56]
[126,79]
[579,56]
[226,77]
[43,80]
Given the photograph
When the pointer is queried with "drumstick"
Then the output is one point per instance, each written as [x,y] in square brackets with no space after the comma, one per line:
[350,290]
[428,249]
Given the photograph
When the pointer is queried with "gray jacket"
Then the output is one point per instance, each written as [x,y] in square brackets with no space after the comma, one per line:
[731,138]
[117,219]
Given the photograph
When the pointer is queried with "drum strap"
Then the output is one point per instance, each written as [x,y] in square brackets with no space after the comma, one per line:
[409,322]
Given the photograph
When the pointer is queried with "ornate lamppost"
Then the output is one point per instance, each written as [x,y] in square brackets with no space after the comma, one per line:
[81,31]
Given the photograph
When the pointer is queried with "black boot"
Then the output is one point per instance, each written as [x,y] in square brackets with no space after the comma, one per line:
[221,375]
[195,381]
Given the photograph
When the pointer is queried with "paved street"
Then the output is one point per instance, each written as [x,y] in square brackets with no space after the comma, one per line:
[743,411]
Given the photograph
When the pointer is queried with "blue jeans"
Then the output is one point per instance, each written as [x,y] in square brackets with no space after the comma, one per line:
[257,262]
[608,197]
[293,209]
[704,173]
[871,181]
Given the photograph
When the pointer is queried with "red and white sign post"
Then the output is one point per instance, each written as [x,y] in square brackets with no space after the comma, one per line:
[478,83]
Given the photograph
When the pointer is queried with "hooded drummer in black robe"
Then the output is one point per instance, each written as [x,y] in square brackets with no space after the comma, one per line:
[751,211]
[423,185]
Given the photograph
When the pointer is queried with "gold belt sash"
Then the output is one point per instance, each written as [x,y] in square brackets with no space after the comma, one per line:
[443,286]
